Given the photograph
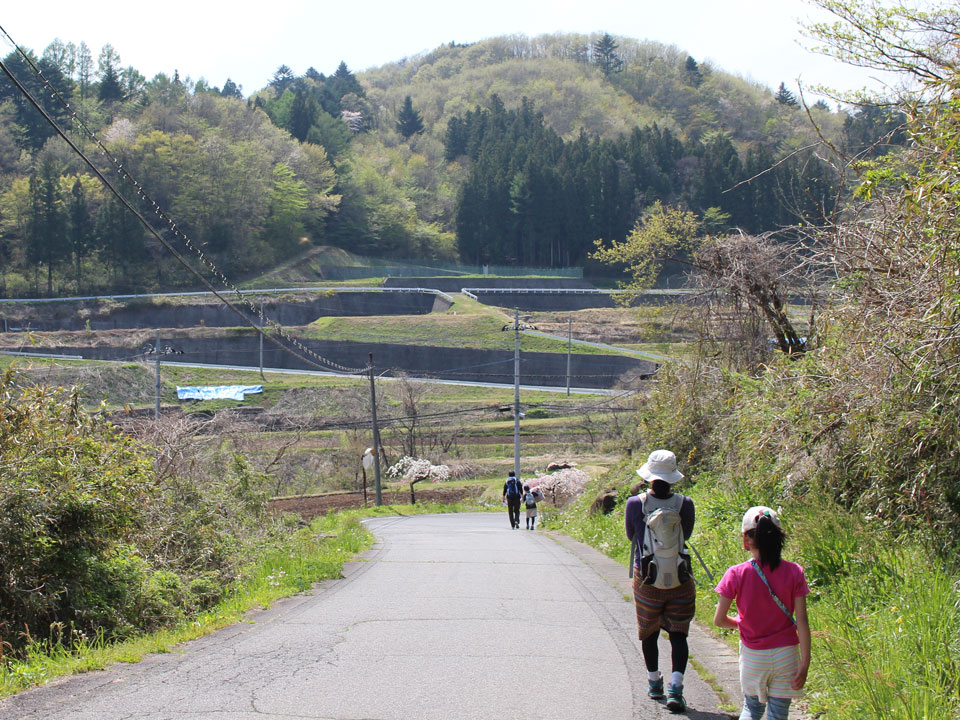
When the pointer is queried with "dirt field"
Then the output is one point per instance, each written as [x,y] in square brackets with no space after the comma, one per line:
[309,506]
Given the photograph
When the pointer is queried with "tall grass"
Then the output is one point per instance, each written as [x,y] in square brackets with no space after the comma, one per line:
[889,641]
[885,615]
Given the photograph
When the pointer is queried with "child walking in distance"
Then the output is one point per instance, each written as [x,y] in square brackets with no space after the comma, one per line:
[658,524]
[530,500]
[771,617]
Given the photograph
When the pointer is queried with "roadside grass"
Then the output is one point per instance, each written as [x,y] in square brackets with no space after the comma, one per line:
[885,614]
[312,554]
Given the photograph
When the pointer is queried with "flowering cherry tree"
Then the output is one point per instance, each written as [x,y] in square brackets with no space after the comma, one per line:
[413,470]
[562,487]
[416,469]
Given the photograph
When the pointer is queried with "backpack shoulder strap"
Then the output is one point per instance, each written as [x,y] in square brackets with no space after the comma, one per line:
[647,532]
[776,599]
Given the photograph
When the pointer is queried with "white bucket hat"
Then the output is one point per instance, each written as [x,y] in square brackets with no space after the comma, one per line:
[752,516]
[661,465]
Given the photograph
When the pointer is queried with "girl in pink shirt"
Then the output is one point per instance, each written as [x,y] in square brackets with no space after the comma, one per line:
[771,618]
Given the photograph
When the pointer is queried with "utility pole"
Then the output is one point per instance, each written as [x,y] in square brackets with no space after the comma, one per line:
[376,436]
[156,410]
[516,392]
[569,343]
[261,338]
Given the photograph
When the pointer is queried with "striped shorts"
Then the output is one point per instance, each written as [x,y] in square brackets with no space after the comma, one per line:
[768,673]
[671,609]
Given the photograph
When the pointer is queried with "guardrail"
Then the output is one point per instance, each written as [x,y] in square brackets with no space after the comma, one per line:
[41,355]
[472,292]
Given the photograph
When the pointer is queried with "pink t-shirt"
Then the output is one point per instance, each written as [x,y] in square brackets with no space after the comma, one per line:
[763,625]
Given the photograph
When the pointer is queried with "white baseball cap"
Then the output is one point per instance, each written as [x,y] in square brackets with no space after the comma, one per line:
[752,516]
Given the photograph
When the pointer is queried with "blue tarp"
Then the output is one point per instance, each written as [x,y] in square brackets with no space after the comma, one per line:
[215,392]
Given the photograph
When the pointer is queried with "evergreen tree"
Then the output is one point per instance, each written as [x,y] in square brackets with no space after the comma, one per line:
[785,97]
[303,114]
[282,78]
[693,71]
[343,81]
[409,121]
[718,173]
[330,132]
[46,227]
[455,139]
[763,206]
[111,90]
[80,228]
[873,129]
[111,85]
[605,55]
[33,129]
[120,240]
[231,89]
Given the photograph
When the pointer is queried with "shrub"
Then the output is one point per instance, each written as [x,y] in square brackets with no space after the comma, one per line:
[96,537]
[73,488]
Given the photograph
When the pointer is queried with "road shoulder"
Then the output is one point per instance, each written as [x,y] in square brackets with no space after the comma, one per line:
[719,659]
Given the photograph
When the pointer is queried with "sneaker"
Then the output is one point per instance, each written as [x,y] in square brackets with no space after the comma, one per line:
[656,689]
[675,701]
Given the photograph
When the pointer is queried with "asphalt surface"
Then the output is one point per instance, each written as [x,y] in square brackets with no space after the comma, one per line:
[448,616]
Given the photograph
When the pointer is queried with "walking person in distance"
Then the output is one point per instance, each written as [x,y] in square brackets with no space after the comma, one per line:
[512,494]
[658,523]
[530,500]
[771,618]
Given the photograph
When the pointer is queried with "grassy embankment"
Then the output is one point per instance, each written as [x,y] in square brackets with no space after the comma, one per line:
[885,603]
[467,323]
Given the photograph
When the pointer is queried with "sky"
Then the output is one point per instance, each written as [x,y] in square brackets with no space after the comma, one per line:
[759,40]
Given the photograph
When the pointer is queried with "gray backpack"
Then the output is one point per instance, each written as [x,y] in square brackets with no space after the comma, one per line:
[663,562]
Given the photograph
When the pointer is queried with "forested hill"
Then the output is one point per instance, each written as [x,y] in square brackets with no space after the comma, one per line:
[511,150]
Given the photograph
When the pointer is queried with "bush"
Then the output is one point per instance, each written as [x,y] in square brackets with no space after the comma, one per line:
[97,537]
[73,488]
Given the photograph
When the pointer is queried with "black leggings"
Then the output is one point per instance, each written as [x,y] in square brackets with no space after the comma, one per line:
[680,652]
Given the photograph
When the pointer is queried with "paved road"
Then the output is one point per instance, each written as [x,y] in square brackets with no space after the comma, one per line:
[452,617]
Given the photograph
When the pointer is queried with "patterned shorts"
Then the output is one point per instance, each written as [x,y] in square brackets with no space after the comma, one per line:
[768,673]
[671,609]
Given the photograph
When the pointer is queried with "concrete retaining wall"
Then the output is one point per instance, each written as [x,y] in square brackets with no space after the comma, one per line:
[492,366]
[560,301]
[158,314]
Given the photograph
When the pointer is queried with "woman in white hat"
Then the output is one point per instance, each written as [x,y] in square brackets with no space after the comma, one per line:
[663,589]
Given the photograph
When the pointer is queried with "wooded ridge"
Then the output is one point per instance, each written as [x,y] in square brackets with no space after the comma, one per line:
[518,150]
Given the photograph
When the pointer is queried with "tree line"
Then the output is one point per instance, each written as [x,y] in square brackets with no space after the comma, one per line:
[532,199]
[336,160]
[242,189]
